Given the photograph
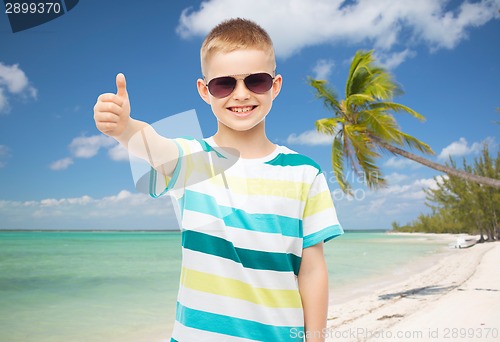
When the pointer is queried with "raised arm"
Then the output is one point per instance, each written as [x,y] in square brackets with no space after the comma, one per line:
[112,117]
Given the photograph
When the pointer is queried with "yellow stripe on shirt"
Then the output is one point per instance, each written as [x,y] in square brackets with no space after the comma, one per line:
[318,203]
[233,288]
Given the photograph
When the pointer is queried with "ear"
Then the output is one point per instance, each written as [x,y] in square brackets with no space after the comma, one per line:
[203,90]
[278,81]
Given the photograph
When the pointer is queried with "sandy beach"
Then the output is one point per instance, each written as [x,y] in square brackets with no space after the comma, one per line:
[454,296]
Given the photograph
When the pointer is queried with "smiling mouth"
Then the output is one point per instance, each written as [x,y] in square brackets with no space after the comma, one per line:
[241,110]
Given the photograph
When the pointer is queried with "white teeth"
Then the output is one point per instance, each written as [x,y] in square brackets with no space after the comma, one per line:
[241,109]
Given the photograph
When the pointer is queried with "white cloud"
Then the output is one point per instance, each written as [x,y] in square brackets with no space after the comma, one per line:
[61,164]
[118,153]
[13,81]
[401,201]
[452,26]
[394,59]
[395,178]
[461,148]
[395,200]
[401,163]
[310,138]
[379,23]
[4,103]
[323,69]
[52,202]
[124,210]
[87,147]
[13,78]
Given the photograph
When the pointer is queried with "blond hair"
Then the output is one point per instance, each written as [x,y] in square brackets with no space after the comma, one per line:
[235,34]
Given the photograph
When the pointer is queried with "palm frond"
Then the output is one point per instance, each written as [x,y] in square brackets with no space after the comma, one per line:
[359,140]
[364,155]
[329,125]
[365,77]
[371,172]
[413,142]
[396,107]
[358,75]
[326,94]
[358,100]
[381,84]
[338,164]
[382,125]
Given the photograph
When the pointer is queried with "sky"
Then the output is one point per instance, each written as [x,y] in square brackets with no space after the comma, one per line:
[57,171]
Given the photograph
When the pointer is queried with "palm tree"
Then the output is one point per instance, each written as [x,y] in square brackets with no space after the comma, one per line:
[363,126]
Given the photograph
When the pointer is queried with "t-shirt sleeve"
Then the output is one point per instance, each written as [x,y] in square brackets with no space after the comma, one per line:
[197,162]
[319,220]
[160,184]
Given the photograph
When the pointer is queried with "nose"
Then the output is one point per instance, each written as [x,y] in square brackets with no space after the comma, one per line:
[241,92]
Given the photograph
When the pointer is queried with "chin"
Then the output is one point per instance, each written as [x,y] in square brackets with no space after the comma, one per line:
[242,126]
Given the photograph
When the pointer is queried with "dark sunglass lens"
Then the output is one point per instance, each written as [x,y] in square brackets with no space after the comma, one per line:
[259,83]
[221,86]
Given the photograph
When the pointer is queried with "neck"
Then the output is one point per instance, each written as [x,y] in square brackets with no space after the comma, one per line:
[252,143]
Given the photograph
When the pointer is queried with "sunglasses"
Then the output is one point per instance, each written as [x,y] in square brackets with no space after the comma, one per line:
[257,83]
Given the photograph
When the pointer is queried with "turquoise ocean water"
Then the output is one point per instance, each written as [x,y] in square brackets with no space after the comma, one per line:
[121,286]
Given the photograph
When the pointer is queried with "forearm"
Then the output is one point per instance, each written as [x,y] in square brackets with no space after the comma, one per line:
[142,141]
[313,288]
[133,127]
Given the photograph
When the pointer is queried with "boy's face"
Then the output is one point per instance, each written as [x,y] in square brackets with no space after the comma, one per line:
[242,109]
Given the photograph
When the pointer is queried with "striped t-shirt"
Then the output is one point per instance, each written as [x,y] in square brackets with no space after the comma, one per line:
[244,225]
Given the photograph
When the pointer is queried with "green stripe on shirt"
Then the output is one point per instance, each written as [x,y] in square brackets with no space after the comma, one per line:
[238,218]
[293,159]
[259,260]
[238,327]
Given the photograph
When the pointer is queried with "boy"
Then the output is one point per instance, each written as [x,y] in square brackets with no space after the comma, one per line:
[252,235]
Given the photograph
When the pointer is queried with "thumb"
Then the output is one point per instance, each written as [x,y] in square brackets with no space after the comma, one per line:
[121,85]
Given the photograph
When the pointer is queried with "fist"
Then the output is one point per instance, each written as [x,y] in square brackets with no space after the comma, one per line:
[112,111]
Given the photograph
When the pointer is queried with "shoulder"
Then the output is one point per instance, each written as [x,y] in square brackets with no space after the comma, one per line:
[287,157]
[190,144]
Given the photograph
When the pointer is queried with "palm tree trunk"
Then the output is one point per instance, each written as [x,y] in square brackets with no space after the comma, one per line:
[495,225]
[436,166]
[491,235]
[481,233]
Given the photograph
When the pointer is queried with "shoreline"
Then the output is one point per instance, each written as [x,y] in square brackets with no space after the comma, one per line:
[404,304]
[367,285]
